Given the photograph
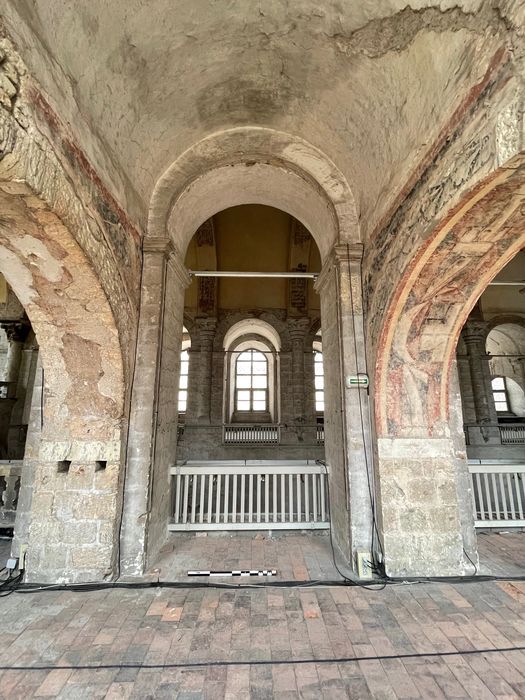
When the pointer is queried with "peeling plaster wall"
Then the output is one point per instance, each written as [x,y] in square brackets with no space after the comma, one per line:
[71,533]
[44,156]
[373,84]
[456,229]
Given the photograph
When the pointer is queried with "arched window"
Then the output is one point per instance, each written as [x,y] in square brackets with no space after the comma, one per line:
[251,381]
[184,371]
[319,381]
[183,381]
[251,367]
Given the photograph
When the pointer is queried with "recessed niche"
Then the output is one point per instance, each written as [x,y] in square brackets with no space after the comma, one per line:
[63,466]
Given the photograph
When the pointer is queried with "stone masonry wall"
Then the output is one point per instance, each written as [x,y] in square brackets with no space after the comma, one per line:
[73,262]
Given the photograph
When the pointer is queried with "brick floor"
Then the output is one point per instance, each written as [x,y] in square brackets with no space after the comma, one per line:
[302,556]
[406,641]
[296,557]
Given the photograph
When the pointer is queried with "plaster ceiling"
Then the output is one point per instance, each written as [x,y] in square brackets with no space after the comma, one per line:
[369,82]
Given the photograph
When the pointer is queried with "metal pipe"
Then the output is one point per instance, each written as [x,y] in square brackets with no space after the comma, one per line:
[507,284]
[224,273]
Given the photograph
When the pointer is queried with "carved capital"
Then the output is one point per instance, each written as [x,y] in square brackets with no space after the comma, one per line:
[475,331]
[297,328]
[205,328]
[162,246]
[348,254]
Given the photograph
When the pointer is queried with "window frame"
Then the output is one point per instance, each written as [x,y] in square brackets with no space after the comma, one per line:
[252,390]
[184,350]
[259,338]
[318,361]
[501,391]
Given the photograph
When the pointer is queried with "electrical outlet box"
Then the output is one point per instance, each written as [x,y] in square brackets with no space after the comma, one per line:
[364,565]
[12,564]
[22,557]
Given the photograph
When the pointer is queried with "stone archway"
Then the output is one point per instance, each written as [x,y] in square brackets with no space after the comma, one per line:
[246,166]
[426,509]
[69,501]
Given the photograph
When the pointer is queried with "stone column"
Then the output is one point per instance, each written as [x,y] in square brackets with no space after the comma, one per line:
[348,445]
[474,335]
[297,329]
[205,328]
[16,333]
[138,504]
[309,397]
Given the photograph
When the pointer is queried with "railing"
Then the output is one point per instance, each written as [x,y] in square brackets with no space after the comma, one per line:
[10,473]
[498,494]
[512,434]
[246,434]
[320,433]
[249,495]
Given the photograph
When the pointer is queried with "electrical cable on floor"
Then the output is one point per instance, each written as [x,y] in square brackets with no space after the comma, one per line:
[265,662]
[315,583]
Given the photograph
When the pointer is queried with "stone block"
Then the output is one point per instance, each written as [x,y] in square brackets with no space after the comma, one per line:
[96,557]
[106,533]
[92,506]
[78,532]
[80,476]
[107,479]
[54,556]
[42,504]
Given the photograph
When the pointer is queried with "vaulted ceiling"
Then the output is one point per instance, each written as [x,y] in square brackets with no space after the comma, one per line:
[369,82]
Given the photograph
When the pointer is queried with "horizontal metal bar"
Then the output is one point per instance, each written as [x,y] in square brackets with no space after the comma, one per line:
[214,470]
[499,523]
[506,284]
[496,468]
[227,273]
[184,527]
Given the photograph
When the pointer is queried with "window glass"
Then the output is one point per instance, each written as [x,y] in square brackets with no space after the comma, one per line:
[183,381]
[251,381]
[319,381]
[499,392]
[498,383]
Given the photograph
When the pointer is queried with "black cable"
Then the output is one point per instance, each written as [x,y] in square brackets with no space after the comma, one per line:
[365,449]
[470,560]
[10,585]
[265,662]
[128,427]
[380,585]
[315,583]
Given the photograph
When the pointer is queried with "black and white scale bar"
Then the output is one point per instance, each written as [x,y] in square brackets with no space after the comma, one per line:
[234,572]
